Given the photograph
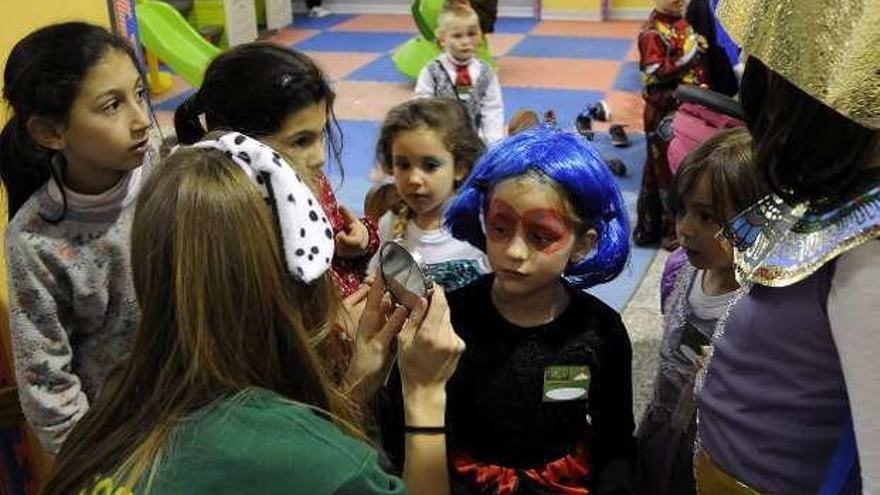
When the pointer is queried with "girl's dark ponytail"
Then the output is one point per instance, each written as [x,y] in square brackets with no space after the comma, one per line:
[186,120]
[24,165]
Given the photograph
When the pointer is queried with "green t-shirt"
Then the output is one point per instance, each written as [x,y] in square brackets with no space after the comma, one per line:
[259,442]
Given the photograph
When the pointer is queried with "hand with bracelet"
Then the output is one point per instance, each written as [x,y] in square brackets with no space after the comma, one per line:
[428,353]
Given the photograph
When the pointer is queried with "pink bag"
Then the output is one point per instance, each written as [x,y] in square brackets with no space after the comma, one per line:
[692,125]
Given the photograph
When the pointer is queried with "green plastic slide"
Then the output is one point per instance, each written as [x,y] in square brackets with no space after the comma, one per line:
[165,33]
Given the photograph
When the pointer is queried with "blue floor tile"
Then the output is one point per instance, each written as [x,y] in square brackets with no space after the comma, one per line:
[344,41]
[303,21]
[618,292]
[571,47]
[358,156]
[515,25]
[381,70]
[629,78]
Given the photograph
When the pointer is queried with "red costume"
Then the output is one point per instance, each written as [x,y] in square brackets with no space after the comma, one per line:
[669,55]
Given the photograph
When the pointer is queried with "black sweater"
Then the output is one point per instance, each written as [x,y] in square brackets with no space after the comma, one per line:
[495,410]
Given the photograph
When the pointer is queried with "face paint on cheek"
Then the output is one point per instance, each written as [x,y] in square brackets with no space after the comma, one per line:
[548,230]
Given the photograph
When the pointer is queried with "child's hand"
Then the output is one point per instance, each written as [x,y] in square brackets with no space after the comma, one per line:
[353,239]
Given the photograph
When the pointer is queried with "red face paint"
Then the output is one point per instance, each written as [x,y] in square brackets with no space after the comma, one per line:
[545,229]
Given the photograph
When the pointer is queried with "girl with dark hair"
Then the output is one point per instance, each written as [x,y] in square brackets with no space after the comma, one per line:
[281,96]
[71,159]
[429,147]
[789,400]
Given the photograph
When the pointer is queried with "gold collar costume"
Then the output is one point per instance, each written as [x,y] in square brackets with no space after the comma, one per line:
[830,51]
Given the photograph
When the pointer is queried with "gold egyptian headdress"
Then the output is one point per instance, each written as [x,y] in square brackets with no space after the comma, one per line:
[828,48]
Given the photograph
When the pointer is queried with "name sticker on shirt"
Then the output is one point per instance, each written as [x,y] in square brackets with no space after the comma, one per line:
[566,383]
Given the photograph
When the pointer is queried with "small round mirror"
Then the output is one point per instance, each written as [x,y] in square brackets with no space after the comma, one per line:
[404,273]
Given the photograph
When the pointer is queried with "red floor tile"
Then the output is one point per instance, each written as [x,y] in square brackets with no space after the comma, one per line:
[613,29]
[358,100]
[378,23]
[633,54]
[500,44]
[289,36]
[627,109]
[557,73]
[337,65]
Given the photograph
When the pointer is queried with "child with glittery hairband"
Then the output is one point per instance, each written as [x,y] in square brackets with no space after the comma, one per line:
[716,180]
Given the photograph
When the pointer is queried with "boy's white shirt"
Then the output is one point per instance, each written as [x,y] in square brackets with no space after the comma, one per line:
[492,124]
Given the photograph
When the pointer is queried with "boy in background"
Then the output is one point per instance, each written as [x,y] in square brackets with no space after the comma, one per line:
[458,73]
[669,55]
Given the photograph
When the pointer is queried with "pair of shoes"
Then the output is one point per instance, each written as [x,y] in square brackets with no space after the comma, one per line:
[618,136]
[616,166]
[319,12]
[600,111]
[584,124]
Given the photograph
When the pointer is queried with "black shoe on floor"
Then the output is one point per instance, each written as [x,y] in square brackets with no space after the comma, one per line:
[616,166]
[618,136]
[584,124]
[600,111]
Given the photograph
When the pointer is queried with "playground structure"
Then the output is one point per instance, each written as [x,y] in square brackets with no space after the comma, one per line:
[167,36]
[180,43]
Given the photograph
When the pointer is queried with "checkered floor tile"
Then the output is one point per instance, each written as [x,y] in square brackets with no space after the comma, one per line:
[558,65]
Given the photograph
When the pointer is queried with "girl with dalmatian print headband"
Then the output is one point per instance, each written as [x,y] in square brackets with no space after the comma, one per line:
[305,232]
[230,340]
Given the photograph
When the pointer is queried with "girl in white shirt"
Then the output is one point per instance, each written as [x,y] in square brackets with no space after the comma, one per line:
[429,148]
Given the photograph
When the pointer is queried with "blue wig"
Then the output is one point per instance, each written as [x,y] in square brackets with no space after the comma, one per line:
[577,168]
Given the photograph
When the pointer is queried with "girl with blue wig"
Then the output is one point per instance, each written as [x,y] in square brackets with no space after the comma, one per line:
[542,398]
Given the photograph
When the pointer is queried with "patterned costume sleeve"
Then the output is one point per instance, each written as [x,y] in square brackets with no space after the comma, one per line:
[657,60]
[347,273]
[674,262]
[51,395]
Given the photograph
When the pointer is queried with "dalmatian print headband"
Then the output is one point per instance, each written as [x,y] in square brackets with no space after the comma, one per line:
[305,231]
